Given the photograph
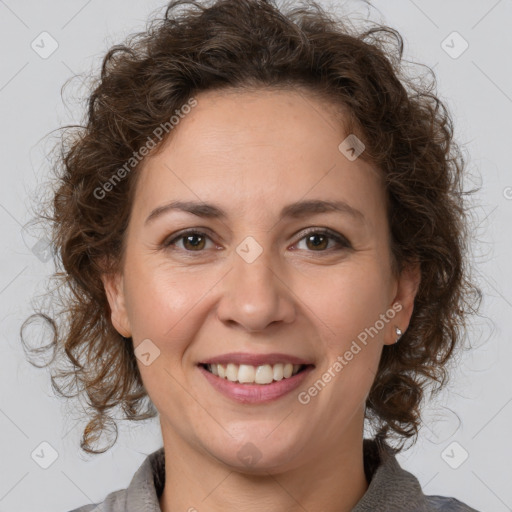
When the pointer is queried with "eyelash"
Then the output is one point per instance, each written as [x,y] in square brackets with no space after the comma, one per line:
[341,240]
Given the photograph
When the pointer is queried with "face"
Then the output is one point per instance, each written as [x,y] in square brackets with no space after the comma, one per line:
[254,282]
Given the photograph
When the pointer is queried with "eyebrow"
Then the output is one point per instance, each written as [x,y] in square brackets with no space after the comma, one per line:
[297,210]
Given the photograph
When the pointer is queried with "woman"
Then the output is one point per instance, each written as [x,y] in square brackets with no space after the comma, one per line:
[263,230]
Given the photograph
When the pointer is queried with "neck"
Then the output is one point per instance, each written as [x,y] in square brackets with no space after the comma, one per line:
[334,481]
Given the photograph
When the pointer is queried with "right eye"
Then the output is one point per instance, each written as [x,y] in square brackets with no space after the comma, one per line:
[193,241]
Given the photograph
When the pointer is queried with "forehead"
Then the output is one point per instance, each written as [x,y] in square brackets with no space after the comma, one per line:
[257,148]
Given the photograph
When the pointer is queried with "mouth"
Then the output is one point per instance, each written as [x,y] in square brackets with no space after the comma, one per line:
[263,374]
[256,383]
[255,378]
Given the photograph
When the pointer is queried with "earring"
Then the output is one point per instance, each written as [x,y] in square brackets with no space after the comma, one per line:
[398,333]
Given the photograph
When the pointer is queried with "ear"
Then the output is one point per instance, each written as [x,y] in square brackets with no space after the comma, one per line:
[114,289]
[407,287]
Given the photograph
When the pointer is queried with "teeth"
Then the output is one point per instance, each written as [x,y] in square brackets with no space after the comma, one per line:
[245,373]
[264,374]
[232,372]
[248,374]
[278,371]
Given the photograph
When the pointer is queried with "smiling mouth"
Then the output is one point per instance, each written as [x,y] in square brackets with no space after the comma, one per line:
[249,374]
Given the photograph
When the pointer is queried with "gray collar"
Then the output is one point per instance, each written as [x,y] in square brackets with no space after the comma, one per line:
[391,488]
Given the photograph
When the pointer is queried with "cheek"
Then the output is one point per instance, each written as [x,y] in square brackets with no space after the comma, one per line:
[346,299]
[163,301]
[352,311]
[163,306]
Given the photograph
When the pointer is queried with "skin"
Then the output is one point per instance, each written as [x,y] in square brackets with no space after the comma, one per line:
[251,153]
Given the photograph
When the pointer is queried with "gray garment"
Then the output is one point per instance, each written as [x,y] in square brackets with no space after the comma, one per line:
[391,488]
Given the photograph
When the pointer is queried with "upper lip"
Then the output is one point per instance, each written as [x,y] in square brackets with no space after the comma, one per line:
[255,359]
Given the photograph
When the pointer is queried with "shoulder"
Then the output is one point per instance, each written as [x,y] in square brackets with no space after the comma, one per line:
[86,508]
[114,502]
[393,489]
[142,493]
[447,504]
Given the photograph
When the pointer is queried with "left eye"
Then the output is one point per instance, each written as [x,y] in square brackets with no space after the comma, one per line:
[324,236]
[196,240]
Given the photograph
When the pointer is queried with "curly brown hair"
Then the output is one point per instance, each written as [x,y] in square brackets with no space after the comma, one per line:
[408,134]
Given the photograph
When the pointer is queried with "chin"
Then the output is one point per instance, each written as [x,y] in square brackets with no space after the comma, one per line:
[256,455]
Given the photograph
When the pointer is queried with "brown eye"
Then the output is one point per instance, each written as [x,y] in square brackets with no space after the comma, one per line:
[318,240]
[193,241]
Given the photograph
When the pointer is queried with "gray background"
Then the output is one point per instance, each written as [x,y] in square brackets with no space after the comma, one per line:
[473,415]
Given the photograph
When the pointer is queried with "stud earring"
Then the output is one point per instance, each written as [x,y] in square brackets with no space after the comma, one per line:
[398,333]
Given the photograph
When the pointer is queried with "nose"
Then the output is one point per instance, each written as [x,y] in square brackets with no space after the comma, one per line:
[254,296]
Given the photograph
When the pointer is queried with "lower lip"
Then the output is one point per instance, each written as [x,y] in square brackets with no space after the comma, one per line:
[256,393]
